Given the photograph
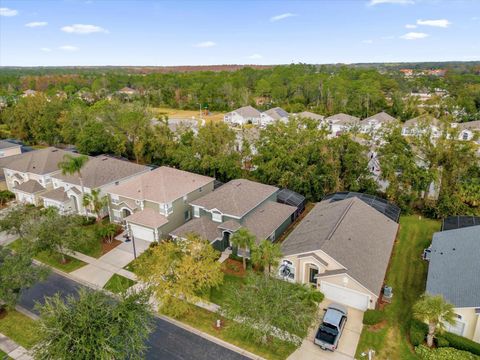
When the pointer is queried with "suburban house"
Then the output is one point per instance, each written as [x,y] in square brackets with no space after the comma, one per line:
[469,130]
[376,121]
[242,116]
[154,203]
[272,115]
[339,123]
[421,125]
[97,174]
[454,273]
[128,91]
[342,247]
[30,174]
[238,203]
[310,115]
[8,148]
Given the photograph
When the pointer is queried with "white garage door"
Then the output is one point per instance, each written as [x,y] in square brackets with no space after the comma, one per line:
[345,296]
[140,232]
[25,198]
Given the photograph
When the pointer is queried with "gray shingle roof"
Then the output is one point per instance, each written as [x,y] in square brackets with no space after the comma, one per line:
[103,170]
[30,187]
[147,217]
[381,117]
[202,226]
[57,194]
[353,233]
[453,270]
[470,125]
[7,144]
[248,112]
[41,162]
[422,119]
[276,113]
[237,197]
[342,118]
[310,115]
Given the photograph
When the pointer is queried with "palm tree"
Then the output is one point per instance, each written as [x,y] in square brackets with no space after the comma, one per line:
[95,202]
[435,311]
[243,238]
[73,165]
[266,255]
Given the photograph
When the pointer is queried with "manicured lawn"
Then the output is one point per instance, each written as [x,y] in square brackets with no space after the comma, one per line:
[19,328]
[217,295]
[205,320]
[3,355]
[118,284]
[177,113]
[407,275]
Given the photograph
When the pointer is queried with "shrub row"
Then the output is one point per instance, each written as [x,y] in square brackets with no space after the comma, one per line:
[418,332]
[458,342]
[446,353]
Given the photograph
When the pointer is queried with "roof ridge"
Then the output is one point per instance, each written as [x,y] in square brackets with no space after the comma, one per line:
[337,224]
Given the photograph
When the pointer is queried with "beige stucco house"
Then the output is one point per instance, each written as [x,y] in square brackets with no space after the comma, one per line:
[454,273]
[342,248]
[153,204]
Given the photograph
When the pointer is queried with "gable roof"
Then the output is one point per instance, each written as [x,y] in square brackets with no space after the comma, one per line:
[4,144]
[237,197]
[202,226]
[30,187]
[342,118]
[310,115]
[57,194]
[103,170]
[147,217]
[248,112]
[351,232]
[162,185]
[470,125]
[40,162]
[276,113]
[451,272]
[422,119]
[381,117]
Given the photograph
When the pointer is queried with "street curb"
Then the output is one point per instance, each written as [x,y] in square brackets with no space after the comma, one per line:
[26,312]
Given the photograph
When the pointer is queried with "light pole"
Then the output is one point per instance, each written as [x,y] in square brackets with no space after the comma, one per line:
[130,234]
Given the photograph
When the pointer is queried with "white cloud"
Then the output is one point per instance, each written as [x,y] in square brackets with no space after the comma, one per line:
[437,23]
[369,41]
[36,24]
[255,56]
[83,29]
[69,48]
[46,49]
[205,44]
[4,11]
[410,26]
[414,36]
[281,17]
[401,2]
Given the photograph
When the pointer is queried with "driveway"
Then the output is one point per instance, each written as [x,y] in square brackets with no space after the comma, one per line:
[346,347]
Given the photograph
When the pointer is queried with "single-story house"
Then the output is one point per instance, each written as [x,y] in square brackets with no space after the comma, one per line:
[242,116]
[341,122]
[272,115]
[376,121]
[454,273]
[342,248]
[421,124]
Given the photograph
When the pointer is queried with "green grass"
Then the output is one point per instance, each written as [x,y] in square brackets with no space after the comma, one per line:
[407,275]
[118,284]
[205,321]
[217,295]
[3,355]
[20,329]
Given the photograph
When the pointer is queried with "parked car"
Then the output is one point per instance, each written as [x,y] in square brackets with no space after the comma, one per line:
[330,330]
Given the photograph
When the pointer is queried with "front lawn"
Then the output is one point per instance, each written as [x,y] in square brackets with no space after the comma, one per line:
[216,295]
[205,321]
[407,275]
[118,284]
[19,328]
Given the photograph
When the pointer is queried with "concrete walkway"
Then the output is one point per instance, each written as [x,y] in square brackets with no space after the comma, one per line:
[99,271]
[12,349]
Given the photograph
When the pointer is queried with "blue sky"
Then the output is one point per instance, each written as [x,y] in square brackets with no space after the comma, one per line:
[108,32]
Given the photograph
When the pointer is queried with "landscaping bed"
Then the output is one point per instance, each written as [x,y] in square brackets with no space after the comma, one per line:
[20,328]
[118,284]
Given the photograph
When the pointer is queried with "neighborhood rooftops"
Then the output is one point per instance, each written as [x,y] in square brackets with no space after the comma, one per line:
[57,194]
[277,113]
[470,125]
[147,217]
[422,119]
[381,117]
[247,112]
[162,185]
[103,170]
[30,186]
[452,272]
[342,118]
[310,115]
[40,162]
[4,144]
[353,233]
[236,198]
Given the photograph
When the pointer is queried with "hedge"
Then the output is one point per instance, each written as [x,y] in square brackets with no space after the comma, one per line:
[418,332]
[372,317]
[446,353]
[460,343]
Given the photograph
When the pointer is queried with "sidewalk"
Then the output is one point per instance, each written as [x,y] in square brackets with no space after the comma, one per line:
[12,349]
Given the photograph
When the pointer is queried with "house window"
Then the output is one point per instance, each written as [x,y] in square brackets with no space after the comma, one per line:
[287,270]
[216,216]
[200,189]
[169,208]
[465,136]
[187,215]
[185,198]
[116,215]
[196,211]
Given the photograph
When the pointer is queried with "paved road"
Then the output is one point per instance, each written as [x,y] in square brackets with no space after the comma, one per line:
[167,342]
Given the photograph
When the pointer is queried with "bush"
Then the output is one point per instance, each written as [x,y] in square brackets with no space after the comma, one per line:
[424,353]
[6,196]
[87,220]
[372,317]
[441,342]
[418,332]
[461,343]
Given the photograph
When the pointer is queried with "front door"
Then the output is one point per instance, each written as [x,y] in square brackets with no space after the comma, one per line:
[226,240]
[313,274]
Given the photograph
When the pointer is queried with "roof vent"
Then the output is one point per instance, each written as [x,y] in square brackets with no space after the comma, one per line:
[54,150]
[453,249]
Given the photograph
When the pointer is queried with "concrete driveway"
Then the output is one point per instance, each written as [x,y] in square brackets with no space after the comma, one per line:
[346,347]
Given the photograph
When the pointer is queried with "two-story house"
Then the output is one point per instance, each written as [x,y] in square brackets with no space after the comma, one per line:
[155,203]
[242,116]
[29,175]
[239,203]
[98,173]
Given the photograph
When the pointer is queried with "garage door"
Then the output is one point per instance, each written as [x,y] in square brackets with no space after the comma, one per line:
[140,232]
[345,296]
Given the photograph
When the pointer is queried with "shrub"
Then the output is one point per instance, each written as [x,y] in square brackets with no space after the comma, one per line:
[418,332]
[6,196]
[446,353]
[441,342]
[461,343]
[372,317]
[87,220]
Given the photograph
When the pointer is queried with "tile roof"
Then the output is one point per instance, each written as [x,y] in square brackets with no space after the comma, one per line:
[103,170]
[276,113]
[40,162]
[147,217]
[453,271]
[248,112]
[237,197]
[202,226]
[57,194]
[353,233]
[30,187]
[381,117]
[162,185]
